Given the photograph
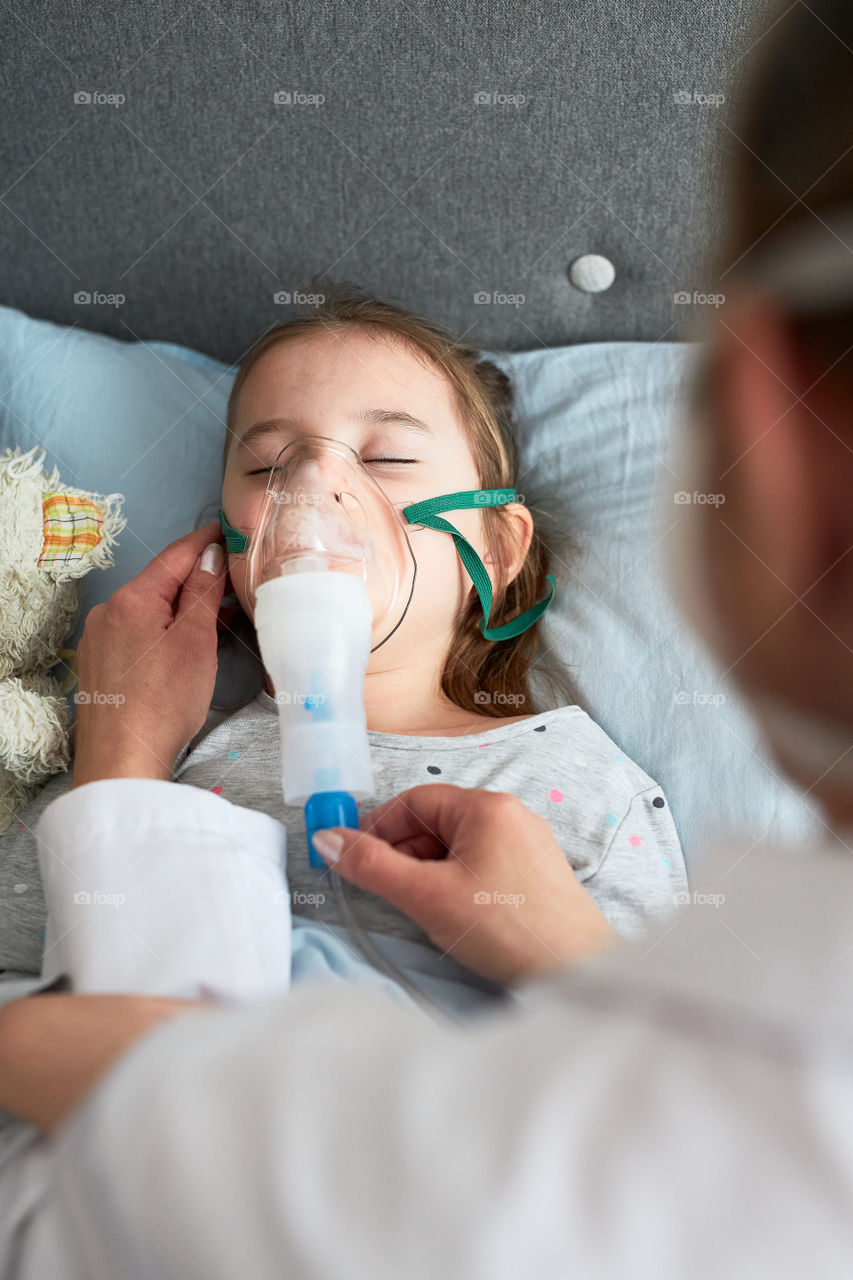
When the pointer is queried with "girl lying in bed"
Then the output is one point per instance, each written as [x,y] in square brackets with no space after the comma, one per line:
[443,703]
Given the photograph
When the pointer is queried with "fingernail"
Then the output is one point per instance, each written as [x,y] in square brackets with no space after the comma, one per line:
[329,843]
[211,559]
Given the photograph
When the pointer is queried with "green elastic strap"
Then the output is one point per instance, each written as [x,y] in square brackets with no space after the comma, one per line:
[425,513]
[235,542]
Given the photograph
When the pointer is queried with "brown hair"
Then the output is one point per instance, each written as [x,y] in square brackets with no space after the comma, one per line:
[483,397]
[794,160]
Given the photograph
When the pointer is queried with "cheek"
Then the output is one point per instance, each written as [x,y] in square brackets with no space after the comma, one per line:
[442,583]
[242,507]
[242,497]
[734,618]
[699,568]
[443,566]
[237,567]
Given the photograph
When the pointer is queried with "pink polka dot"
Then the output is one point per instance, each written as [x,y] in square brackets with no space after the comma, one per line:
[635,840]
[21,827]
[217,791]
[555,795]
[482,744]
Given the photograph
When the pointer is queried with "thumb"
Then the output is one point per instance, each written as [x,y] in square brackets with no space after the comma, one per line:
[372,864]
[202,591]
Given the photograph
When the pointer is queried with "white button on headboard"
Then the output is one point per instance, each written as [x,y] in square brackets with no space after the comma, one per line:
[592,273]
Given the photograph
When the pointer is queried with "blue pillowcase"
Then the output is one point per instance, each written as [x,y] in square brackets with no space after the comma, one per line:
[147,419]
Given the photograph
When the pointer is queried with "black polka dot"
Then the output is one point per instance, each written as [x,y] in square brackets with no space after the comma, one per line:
[540,728]
[433,768]
[659,802]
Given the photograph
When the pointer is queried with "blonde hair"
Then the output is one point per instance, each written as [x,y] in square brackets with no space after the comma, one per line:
[483,397]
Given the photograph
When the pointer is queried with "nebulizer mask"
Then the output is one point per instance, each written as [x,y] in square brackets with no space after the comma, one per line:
[331,572]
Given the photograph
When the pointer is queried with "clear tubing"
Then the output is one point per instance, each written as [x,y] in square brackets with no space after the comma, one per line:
[377,957]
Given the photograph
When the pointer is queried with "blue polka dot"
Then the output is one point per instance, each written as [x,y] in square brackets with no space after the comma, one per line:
[611,819]
[665,862]
[232,755]
[621,759]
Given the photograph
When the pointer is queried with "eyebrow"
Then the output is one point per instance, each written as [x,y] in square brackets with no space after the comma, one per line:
[367,417]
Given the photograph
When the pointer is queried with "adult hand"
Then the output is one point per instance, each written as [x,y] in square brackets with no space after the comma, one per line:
[147,664]
[55,1048]
[480,873]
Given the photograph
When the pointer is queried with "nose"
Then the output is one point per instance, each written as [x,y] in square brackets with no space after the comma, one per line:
[324,465]
[319,479]
[311,474]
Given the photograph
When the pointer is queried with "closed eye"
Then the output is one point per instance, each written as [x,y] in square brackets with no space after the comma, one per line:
[263,471]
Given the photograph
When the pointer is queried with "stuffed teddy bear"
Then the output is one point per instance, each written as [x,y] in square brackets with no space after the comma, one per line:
[50,536]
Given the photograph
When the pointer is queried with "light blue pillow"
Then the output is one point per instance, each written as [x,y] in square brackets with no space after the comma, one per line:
[147,419]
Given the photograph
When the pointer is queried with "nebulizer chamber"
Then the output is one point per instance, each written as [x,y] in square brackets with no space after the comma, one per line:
[314,627]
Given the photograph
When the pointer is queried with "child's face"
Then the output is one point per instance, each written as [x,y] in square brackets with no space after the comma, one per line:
[321,381]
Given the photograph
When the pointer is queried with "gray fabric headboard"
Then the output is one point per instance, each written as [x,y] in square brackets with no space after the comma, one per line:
[202,159]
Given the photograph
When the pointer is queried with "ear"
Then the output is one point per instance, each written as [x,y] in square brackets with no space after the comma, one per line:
[517,531]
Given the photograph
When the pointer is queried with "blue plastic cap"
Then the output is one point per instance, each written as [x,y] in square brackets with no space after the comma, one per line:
[328,809]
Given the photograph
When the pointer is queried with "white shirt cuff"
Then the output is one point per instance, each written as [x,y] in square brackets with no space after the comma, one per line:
[164,889]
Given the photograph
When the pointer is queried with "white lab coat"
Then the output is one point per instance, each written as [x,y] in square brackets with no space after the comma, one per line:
[680,1108]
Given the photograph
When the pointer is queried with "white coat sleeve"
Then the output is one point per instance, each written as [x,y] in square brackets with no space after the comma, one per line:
[151,888]
[154,888]
[633,1119]
[337,1133]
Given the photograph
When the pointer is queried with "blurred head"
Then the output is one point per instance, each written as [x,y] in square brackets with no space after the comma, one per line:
[427,417]
[765,571]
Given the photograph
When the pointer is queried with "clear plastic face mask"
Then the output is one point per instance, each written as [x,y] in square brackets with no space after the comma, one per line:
[324,512]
